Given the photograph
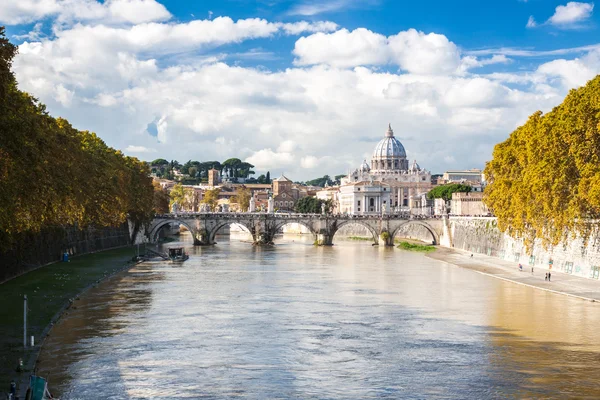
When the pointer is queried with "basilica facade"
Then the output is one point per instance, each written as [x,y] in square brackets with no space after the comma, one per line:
[389,183]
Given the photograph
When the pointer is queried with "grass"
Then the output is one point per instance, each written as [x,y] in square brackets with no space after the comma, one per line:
[48,289]
[423,248]
[366,239]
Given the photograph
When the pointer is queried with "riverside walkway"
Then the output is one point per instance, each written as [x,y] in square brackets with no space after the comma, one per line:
[561,283]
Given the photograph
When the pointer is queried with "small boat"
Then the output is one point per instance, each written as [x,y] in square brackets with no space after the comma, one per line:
[176,254]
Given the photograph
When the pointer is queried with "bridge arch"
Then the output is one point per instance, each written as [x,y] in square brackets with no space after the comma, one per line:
[371,229]
[213,231]
[305,224]
[435,238]
[161,223]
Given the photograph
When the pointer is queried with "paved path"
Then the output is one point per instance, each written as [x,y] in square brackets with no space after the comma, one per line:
[587,289]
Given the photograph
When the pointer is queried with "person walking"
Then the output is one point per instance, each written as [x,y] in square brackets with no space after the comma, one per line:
[520,267]
[549,275]
[532,270]
[546,277]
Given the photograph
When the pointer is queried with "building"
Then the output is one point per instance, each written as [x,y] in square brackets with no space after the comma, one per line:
[285,194]
[468,204]
[365,197]
[389,165]
[213,177]
[458,176]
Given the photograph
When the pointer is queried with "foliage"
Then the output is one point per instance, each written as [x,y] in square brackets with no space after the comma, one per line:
[445,191]
[424,248]
[544,180]
[52,174]
[325,180]
[242,198]
[268,177]
[160,161]
[361,238]
[211,197]
[312,205]
[385,235]
[161,199]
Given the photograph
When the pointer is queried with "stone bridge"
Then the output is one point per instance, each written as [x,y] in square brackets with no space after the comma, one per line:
[264,226]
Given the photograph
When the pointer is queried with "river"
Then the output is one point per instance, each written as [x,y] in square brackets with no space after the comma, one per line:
[299,321]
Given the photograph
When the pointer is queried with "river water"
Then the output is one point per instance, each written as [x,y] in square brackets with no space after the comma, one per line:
[298,321]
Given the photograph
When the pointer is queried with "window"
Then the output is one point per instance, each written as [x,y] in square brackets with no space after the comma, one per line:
[358,208]
[283,195]
[359,202]
[371,202]
[568,267]
[384,189]
[358,190]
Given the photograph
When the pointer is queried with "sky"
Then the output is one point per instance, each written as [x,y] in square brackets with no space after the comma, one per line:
[302,87]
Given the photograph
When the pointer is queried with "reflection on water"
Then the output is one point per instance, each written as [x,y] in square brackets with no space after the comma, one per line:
[298,321]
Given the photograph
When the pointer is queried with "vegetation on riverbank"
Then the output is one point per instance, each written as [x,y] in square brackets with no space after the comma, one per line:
[422,248]
[52,174]
[544,180]
[362,238]
[48,290]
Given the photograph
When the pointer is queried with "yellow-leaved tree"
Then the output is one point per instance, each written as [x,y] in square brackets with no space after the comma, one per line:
[544,180]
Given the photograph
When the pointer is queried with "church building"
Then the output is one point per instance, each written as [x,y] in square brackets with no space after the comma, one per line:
[385,185]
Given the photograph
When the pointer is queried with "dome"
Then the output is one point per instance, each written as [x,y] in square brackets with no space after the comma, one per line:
[389,146]
[364,167]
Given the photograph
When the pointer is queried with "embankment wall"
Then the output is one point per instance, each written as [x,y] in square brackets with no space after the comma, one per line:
[481,235]
[32,250]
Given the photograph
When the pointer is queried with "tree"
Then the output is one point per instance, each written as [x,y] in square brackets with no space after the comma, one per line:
[311,205]
[242,198]
[192,171]
[161,199]
[445,191]
[338,179]
[261,179]
[211,197]
[544,180]
[325,180]
[160,161]
[268,177]
[182,196]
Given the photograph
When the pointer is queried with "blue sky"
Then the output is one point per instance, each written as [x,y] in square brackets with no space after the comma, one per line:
[302,87]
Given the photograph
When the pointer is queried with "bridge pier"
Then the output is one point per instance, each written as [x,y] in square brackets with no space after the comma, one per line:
[386,239]
[324,239]
[202,238]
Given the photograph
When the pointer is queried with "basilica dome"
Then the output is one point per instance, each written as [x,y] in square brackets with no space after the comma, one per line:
[389,146]
[389,154]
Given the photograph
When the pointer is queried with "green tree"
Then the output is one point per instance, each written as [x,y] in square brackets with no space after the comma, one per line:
[312,205]
[544,180]
[268,177]
[211,197]
[445,191]
[193,171]
[242,198]
[161,199]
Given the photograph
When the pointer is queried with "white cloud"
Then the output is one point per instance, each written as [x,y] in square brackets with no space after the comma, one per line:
[571,13]
[572,73]
[267,159]
[318,7]
[144,86]
[15,12]
[309,162]
[342,48]
[413,51]
[139,149]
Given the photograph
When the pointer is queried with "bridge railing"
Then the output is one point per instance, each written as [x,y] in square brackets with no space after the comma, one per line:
[293,216]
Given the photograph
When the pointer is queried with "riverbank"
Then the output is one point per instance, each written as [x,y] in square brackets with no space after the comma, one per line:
[565,284]
[49,290]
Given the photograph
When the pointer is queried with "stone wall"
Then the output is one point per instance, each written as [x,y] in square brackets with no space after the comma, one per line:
[482,236]
[34,250]
[414,231]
